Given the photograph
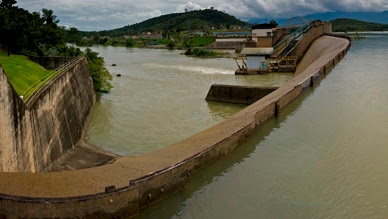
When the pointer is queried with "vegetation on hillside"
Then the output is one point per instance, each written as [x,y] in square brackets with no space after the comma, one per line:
[177,22]
[39,34]
[351,25]
[179,30]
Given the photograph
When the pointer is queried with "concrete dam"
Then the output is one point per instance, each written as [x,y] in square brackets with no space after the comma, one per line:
[36,133]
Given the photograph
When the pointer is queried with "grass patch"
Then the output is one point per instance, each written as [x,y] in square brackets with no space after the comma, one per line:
[203,41]
[22,73]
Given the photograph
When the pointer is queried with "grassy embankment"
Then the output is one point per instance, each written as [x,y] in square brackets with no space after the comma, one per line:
[24,75]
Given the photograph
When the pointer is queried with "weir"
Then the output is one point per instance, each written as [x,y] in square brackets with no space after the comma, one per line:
[238,94]
[125,186]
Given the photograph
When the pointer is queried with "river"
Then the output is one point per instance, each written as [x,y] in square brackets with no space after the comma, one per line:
[160,98]
[325,156]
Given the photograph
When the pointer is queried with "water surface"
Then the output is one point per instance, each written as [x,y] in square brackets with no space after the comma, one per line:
[160,98]
[326,156]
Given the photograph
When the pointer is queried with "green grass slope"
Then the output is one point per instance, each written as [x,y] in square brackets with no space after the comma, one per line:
[351,25]
[23,74]
[191,20]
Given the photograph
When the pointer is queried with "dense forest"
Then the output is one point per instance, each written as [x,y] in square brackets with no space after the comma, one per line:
[39,34]
[192,20]
[351,25]
[34,33]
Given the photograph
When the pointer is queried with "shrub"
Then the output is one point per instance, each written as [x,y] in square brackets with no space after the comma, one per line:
[129,43]
[100,75]
[171,45]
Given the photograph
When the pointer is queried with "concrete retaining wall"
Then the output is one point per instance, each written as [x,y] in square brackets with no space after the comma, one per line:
[132,183]
[237,94]
[51,122]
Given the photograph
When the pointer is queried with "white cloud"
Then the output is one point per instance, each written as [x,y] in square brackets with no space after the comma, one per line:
[103,14]
[190,6]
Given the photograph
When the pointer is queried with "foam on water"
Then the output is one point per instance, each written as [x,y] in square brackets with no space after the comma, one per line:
[193,69]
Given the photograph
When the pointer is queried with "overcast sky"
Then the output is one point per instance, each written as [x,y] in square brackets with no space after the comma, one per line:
[110,14]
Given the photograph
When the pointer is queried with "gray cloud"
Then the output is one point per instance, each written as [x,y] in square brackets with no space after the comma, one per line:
[103,14]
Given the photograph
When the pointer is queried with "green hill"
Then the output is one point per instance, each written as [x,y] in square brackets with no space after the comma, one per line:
[192,20]
[351,25]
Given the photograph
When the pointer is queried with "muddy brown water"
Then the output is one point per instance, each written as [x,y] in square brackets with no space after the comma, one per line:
[325,156]
[160,98]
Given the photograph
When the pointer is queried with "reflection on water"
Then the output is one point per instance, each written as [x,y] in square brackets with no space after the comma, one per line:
[326,156]
[160,98]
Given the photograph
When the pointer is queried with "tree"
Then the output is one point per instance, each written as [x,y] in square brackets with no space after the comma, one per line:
[49,17]
[14,29]
[73,35]
[7,3]
[129,43]
[171,45]
[52,34]
[274,23]
[25,32]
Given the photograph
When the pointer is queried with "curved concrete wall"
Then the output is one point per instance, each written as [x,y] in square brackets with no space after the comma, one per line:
[316,30]
[324,49]
[35,133]
[132,183]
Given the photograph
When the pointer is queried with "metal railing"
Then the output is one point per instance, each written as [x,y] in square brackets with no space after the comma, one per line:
[282,44]
[37,85]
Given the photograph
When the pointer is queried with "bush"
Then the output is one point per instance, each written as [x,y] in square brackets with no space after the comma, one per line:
[171,45]
[129,43]
[100,75]
[201,53]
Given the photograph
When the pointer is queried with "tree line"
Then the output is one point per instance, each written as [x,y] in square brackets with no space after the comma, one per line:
[39,34]
[35,33]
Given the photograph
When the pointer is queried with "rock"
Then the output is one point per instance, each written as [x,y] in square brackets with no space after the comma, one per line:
[114,64]
[118,75]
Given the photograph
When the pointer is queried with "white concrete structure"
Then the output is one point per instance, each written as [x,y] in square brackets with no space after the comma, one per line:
[262,33]
[256,57]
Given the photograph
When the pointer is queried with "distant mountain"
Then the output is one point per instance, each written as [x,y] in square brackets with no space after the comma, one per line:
[350,25]
[192,20]
[375,17]
[280,21]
